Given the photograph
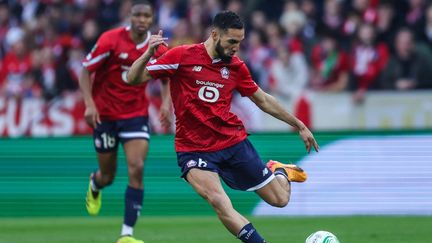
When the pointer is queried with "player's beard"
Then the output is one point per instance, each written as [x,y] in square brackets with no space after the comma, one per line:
[221,54]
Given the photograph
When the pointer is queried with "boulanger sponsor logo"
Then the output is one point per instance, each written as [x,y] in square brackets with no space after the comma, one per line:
[208,94]
[209,91]
[210,84]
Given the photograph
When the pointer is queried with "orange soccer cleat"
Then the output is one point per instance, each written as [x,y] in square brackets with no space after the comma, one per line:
[294,173]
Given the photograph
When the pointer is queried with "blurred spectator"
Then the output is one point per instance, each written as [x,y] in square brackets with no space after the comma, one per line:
[350,28]
[273,32]
[387,22]
[199,17]
[293,21]
[4,26]
[426,32]
[309,8]
[69,69]
[124,11]
[235,6]
[288,74]
[213,7]
[108,14]
[181,34]
[15,69]
[279,34]
[168,16]
[415,15]
[332,18]
[258,20]
[366,9]
[330,65]
[258,57]
[368,60]
[43,72]
[410,67]
[89,35]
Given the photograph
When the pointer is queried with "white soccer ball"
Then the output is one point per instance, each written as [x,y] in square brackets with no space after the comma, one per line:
[322,237]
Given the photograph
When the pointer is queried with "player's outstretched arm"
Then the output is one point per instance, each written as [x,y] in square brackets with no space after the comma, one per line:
[138,73]
[270,105]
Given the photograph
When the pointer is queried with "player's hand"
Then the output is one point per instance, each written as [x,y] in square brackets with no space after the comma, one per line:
[308,139]
[155,41]
[91,116]
[165,116]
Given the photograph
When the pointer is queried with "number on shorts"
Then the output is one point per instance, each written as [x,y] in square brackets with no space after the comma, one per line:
[108,141]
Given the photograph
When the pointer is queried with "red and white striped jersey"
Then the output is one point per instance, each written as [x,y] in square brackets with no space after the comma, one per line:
[109,61]
[202,90]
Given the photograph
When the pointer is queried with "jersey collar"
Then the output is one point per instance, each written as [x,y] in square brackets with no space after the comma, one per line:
[142,44]
[214,61]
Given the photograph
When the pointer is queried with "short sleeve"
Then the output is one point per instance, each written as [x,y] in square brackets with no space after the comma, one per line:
[166,65]
[160,51]
[246,86]
[99,54]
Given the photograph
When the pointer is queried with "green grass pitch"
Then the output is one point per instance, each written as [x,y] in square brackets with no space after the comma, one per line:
[202,229]
[43,184]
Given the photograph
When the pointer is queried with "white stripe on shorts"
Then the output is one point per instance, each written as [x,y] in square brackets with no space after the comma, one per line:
[262,184]
[134,135]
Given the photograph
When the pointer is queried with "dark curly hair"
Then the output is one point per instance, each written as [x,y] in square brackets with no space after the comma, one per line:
[227,20]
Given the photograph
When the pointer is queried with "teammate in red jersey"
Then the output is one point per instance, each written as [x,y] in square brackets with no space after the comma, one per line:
[211,142]
[119,112]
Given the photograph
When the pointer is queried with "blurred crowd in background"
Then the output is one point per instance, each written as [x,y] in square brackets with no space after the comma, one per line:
[290,46]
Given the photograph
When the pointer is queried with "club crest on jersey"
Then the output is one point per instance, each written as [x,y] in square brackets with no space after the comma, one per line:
[123,55]
[191,163]
[224,73]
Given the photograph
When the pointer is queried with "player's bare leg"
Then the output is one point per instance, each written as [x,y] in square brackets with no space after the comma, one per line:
[277,193]
[104,176]
[207,184]
[136,152]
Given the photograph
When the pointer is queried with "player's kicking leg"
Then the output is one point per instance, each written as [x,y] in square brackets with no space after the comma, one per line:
[207,184]
[277,192]
[104,176]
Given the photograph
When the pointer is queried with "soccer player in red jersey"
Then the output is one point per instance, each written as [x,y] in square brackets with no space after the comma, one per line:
[211,142]
[118,112]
